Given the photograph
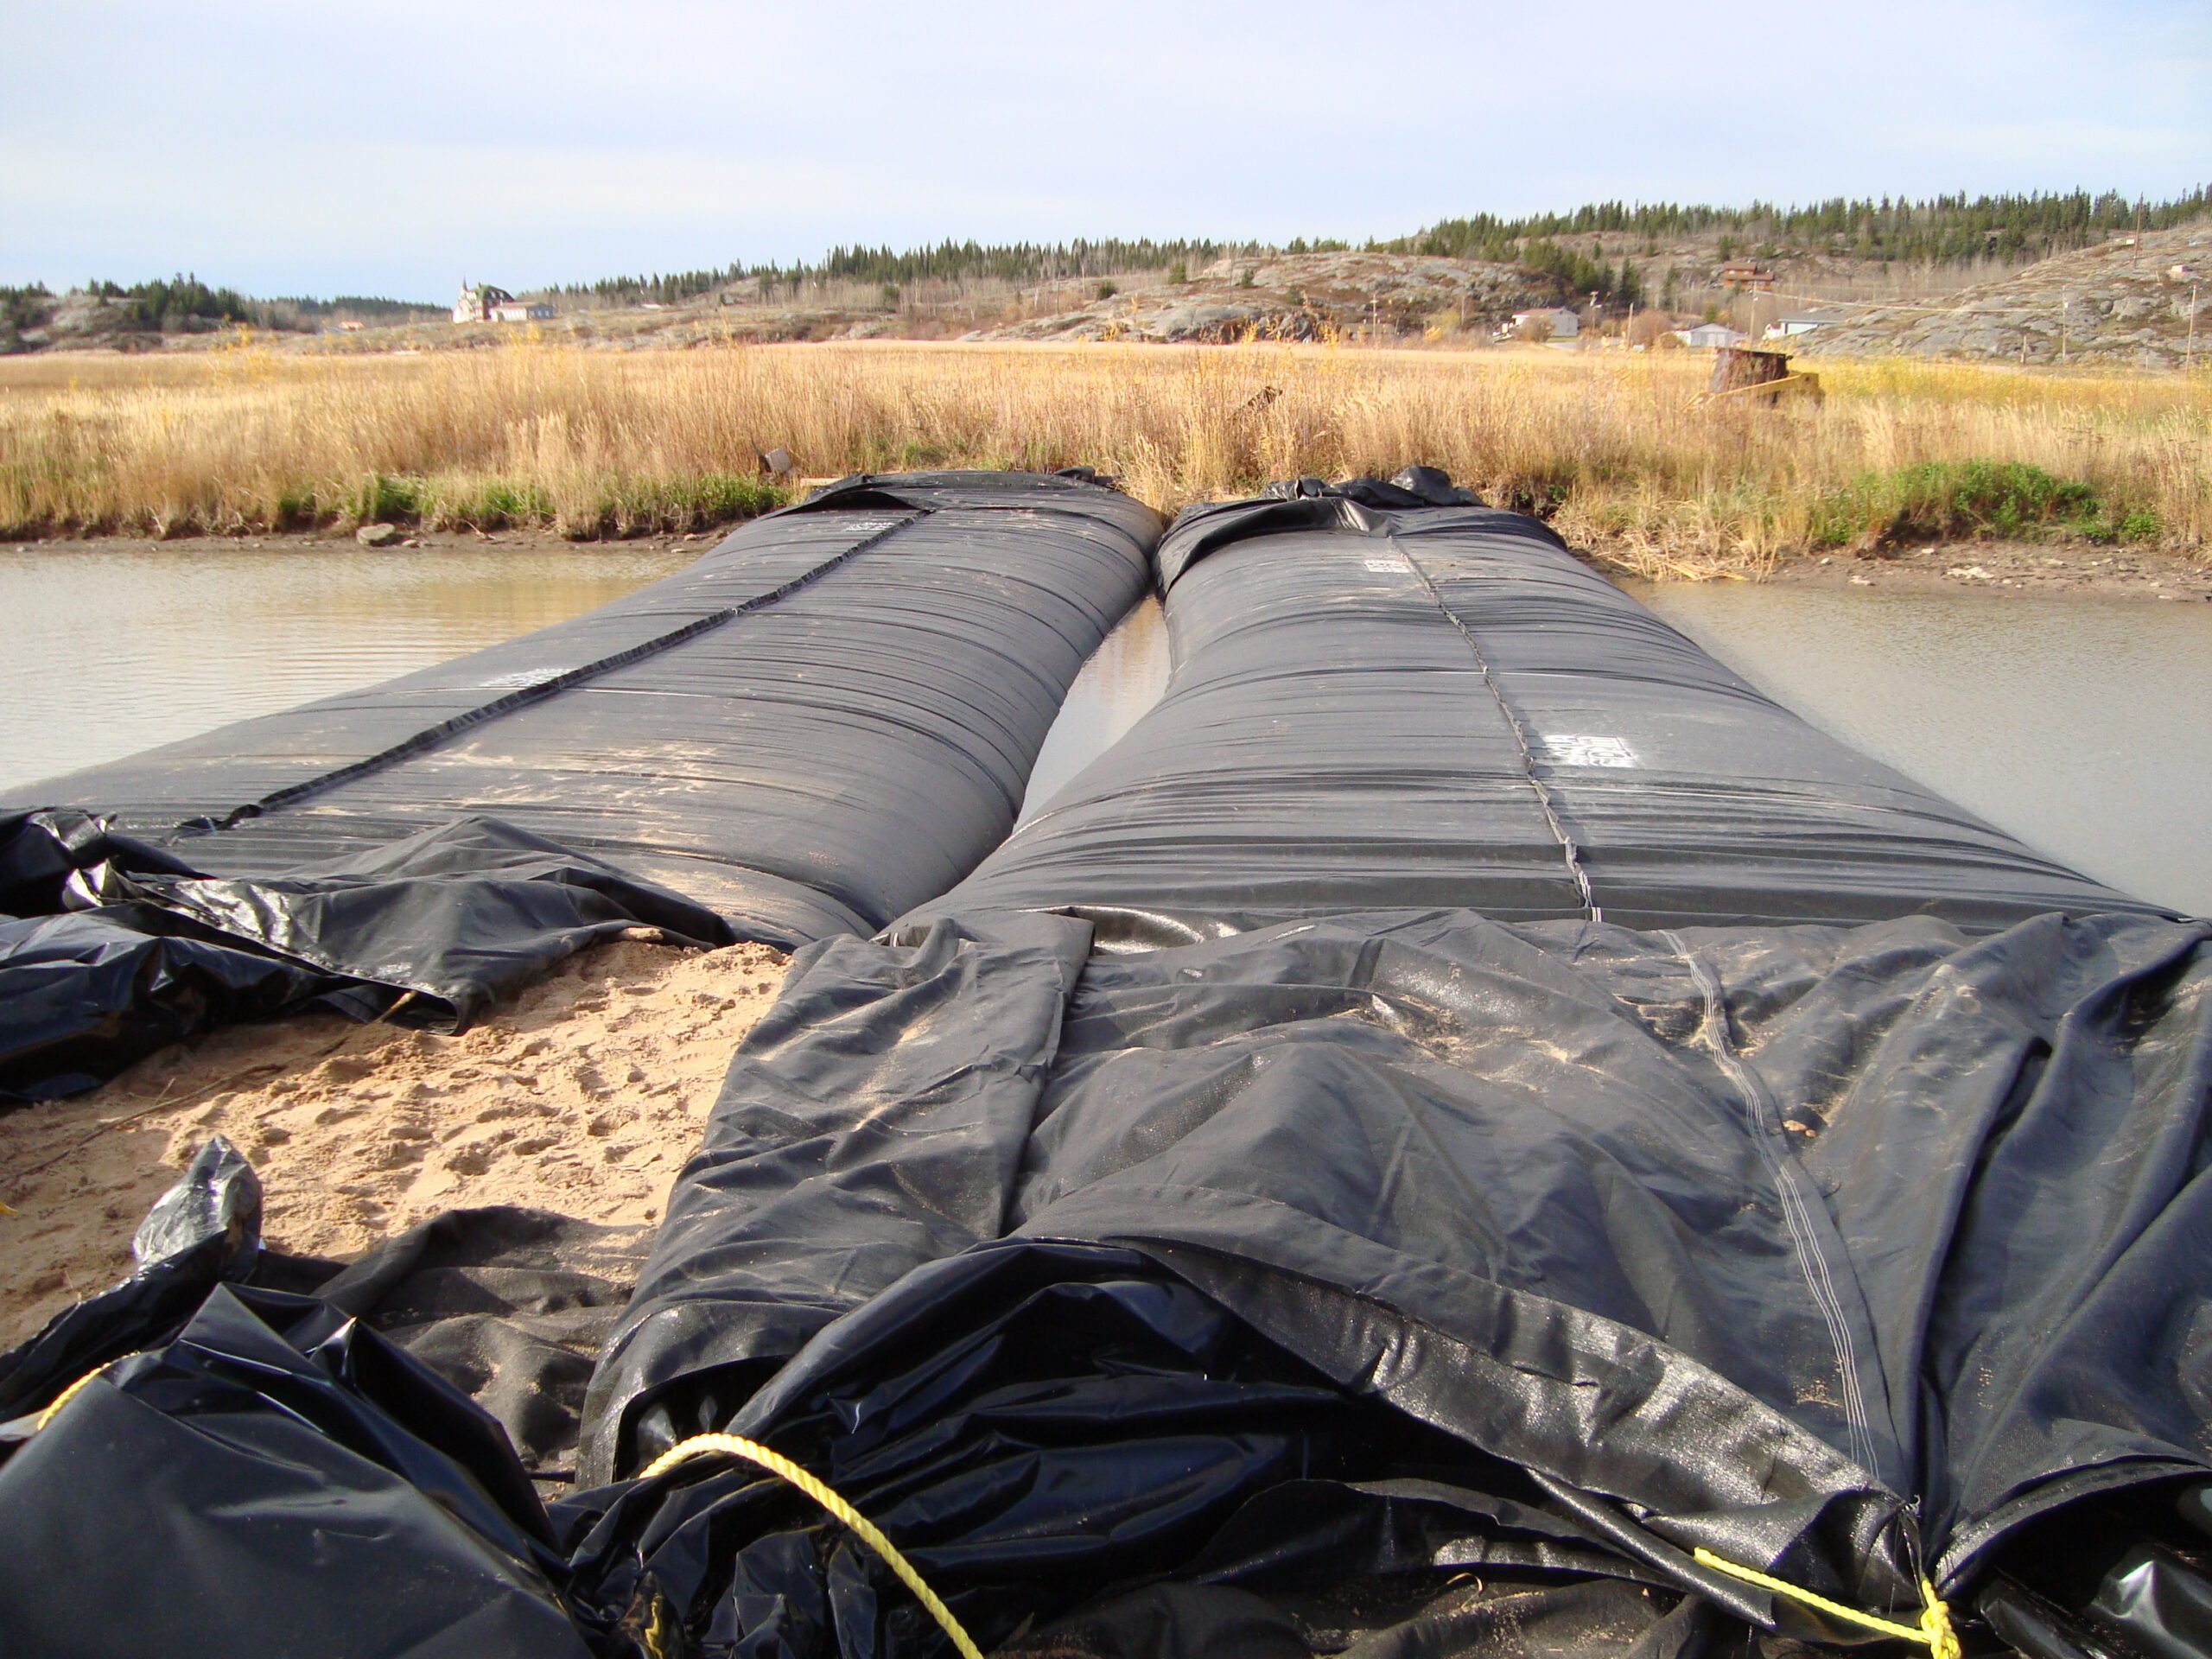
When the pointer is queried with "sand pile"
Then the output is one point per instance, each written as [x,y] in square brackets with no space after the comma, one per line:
[585,1096]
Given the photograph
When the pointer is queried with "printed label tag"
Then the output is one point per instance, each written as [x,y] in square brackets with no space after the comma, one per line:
[515,682]
[1397,565]
[1577,749]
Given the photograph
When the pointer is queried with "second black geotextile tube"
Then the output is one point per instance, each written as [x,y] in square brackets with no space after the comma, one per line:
[826,719]
[1380,697]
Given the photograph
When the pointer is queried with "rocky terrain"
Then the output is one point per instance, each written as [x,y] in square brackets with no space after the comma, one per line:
[80,322]
[2126,302]
[1299,296]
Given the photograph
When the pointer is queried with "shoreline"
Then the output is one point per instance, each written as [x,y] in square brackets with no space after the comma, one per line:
[2047,569]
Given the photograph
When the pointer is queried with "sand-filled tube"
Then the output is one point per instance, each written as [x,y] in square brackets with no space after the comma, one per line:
[827,718]
[1392,697]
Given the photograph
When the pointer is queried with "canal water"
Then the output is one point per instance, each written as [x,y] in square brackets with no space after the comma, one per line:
[2083,725]
[104,653]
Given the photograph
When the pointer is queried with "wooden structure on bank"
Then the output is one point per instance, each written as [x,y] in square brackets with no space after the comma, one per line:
[1763,376]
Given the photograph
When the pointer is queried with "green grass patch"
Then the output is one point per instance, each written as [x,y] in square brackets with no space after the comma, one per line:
[1959,500]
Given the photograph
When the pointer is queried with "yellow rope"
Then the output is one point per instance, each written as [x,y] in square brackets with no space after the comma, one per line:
[1934,1631]
[870,1534]
[67,1395]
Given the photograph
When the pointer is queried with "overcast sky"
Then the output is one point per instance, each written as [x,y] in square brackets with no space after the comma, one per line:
[396,149]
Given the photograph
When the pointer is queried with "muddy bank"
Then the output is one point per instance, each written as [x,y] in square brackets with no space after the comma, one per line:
[583,1097]
[2012,566]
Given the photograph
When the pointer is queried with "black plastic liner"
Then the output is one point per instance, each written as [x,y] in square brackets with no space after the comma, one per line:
[274,1479]
[1839,1252]
[1402,1282]
[1377,700]
[826,719]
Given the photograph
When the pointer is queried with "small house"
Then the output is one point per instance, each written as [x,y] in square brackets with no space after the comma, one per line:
[481,303]
[1710,336]
[1562,322]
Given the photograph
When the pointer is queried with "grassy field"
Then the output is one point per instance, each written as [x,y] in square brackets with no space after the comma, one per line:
[1615,450]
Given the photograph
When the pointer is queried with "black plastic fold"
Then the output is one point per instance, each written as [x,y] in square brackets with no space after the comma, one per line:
[429,930]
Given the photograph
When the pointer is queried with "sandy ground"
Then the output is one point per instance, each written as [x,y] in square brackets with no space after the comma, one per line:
[583,1097]
[2060,569]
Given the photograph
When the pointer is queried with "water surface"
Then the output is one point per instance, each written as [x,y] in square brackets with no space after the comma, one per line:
[2082,726]
[104,653]
[1124,677]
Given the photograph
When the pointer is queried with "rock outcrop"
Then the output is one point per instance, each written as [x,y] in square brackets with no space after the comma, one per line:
[1299,296]
[2126,302]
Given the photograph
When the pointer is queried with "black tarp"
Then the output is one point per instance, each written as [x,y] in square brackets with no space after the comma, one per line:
[1379,702]
[1155,1208]
[827,718]
[1829,1247]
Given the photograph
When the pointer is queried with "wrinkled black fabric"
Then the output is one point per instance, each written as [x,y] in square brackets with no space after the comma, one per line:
[1032,1423]
[43,854]
[1377,701]
[508,1304]
[84,996]
[219,1196]
[827,718]
[276,1480]
[911,1070]
[1751,1239]
[447,920]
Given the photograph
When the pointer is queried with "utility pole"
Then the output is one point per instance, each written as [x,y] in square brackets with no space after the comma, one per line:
[2065,307]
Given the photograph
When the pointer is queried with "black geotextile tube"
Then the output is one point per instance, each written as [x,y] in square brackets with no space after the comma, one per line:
[827,718]
[1385,697]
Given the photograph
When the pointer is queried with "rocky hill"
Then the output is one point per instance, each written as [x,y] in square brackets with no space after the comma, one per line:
[1298,297]
[2124,302]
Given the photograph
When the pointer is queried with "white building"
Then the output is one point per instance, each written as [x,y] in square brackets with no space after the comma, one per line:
[1565,324]
[1710,336]
[1796,322]
[481,303]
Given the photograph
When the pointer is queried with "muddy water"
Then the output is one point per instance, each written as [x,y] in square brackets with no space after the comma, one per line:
[2082,726]
[1124,677]
[104,652]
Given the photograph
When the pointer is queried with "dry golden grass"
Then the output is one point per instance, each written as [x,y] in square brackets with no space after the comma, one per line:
[1615,447]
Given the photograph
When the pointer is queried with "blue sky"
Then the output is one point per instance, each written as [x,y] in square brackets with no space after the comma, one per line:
[396,148]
